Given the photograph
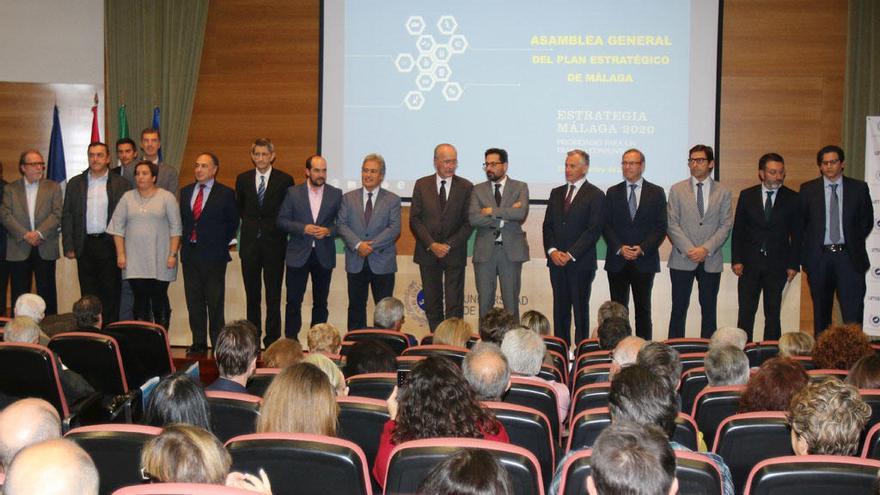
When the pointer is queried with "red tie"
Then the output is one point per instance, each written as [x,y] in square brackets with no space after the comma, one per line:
[197,211]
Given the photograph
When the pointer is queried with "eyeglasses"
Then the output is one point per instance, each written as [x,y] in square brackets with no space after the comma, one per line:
[630,164]
[35,163]
[830,162]
[698,161]
[491,164]
[451,161]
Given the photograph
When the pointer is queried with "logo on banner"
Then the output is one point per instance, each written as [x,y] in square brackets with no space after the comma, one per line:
[875,273]
[414,301]
[874,321]
[877,224]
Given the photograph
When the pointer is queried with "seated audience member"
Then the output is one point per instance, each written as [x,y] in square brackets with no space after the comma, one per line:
[468,472]
[609,309]
[453,331]
[52,467]
[736,337]
[236,354]
[389,314]
[495,323]
[626,353]
[662,360]
[87,314]
[796,344]
[24,330]
[726,365]
[435,402]
[178,399]
[772,386]
[325,338]
[487,371]
[524,350]
[329,368]
[33,306]
[282,353]
[827,418]
[629,458]
[612,330]
[370,356]
[299,400]
[865,373]
[840,347]
[23,423]
[536,322]
[189,454]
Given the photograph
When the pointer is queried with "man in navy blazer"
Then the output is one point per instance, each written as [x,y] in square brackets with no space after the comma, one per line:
[635,227]
[210,219]
[369,224]
[837,216]
[308,215]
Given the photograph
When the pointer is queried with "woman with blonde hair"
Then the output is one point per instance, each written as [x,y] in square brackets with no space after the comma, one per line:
[334,374]
[453,331]
[796,344]
[325,338]
[299,400]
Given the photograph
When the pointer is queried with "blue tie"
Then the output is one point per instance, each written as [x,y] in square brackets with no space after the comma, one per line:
[632,201]
[261,191]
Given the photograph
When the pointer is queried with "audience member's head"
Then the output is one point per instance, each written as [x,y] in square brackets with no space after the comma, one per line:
[325,338]
[282,353]
[22,330]
[487,370]
[796,344]
[662,360]
[26,422]
[236,352]
[334,374]
[773,385]
[827,418]
[453,331]
[632,459]
[726,365]
[30,305]
[611,309]
[495,323]
[468,472]
[612,330]
[536,322]
[626,352]
[53,467]
[840,347]
[865,373]
[299,400]
[524,350]
[642,397]
[389,314]
[178,399]
[185,454]
[87,312]
[736,337]
[370,356]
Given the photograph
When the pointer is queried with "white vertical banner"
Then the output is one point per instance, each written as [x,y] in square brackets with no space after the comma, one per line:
[872,177]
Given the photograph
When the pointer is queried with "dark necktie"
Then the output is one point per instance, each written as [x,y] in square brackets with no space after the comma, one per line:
[700,208]
[768,206]
[443,194]
[498,194]
[567,205]
[197,211]
[261,191]
[368,209]
[834,216]
[632,201]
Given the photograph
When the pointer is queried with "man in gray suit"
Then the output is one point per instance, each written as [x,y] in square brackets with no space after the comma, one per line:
[498,209]
[700,218]
[31,213]
[369,224]
[150,144]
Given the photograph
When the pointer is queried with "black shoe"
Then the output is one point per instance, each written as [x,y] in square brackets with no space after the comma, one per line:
[197,349]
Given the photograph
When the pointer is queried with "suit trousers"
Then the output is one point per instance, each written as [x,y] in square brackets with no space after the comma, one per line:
[204,285]
[382,286]
[760,278]
[297,279]
[266,262]
[630,278]
[443,287]
[571,294]
[487,273]
[4,283]
[835,272]
[682,285]
[43,271]
[98,274]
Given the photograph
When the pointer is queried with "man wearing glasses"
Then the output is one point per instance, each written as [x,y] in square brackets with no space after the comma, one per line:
[700,218]
[837,217]
[498,208]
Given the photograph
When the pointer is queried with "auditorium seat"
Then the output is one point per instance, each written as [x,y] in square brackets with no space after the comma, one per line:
[871,449]
[429,339]
[587,425]
[712,406]
[758,352]
[688,345]
[805,361]
[260,380]
[540,396]
[594,373]
[551,373]
[872,398]
[182,489]
[233,414]
[819,375]
[744,440]
[585,346]
[116,451]
[594,357]
[303,464]
[561,364]
[529,429]
[145,350]
[692,382]
[589,397]
[556,344]
[692,360]
[813,475]
[686,432]
[407,362]
[411,461]
[397,341]
[361,421]
[372,385]
[456,354]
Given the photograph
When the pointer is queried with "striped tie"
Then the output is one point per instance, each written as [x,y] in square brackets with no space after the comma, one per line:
[261,191]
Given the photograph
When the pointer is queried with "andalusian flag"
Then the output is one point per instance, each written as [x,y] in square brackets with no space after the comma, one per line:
[123,123]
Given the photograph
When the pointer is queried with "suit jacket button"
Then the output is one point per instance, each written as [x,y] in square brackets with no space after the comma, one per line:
[701,223]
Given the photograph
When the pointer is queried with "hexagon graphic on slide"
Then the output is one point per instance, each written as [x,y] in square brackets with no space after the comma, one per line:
[415,25]
[425,81]
[458,43]
[447,25]
[452,91]
[425,43]
[414,100]
[441,53]
[426,63]
[404,62]
[442,72]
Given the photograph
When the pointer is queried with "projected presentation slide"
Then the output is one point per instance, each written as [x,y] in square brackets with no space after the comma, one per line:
[535,78]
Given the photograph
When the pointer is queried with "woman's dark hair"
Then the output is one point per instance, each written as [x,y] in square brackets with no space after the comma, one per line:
[438,402]
[370,356]
[865,373]
[178,399]
[468,472]
[773,385]
[154,169]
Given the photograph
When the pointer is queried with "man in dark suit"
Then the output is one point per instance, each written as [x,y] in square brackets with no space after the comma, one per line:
[766,241]
[31,213]
[438,218]
[259,193]
[88,207]
[210,220]
[635,227]
[837,216]
[369,224]
[236,352]
[308,214]
[572,226]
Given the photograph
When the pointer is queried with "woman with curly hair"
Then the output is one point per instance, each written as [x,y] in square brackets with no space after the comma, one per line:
[865,373]
[773,385]
[840,347]
[435,402]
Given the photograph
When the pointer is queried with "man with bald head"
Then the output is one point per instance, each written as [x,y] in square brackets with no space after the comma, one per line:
[23,423]
[626,352]
[486,370]
[53,467]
